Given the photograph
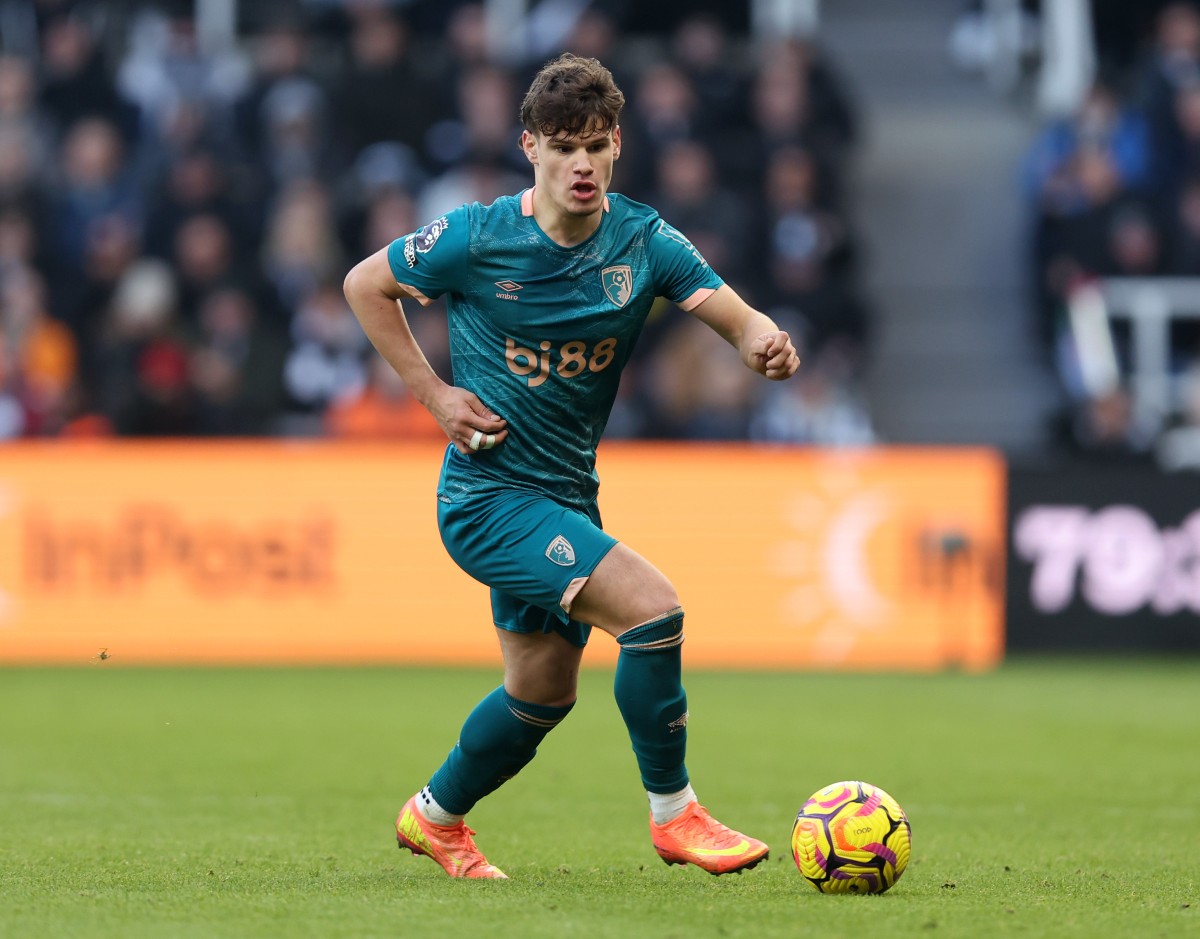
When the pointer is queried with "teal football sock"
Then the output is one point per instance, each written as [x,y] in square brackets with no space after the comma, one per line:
[650,696]
[499,737]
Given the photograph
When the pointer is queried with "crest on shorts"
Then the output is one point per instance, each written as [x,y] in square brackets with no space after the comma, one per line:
[561,552]
[618,283]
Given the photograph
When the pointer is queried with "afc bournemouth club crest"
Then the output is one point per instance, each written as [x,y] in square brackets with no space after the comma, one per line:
[561,552]
[618,283]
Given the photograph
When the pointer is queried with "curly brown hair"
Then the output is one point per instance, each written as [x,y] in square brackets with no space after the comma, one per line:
[572,95]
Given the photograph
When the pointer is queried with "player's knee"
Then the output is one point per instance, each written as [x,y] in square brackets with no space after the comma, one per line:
[649,595]
[656,601]
[659,601]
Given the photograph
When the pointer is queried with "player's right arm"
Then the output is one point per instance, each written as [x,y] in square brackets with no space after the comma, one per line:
[374,295]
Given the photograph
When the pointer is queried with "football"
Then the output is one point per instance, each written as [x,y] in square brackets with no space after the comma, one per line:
[851,837]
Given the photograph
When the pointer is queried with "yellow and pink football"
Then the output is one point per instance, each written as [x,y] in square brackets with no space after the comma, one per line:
[851,837]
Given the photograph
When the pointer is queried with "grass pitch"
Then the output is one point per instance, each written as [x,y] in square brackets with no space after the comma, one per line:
[1049,798]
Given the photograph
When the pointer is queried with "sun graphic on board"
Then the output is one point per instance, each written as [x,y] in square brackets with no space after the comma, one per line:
[833,593]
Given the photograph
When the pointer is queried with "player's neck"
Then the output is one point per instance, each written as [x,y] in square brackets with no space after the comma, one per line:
[561,227]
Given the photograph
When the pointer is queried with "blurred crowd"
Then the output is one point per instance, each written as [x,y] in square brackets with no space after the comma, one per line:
[176,216]
[1114,191]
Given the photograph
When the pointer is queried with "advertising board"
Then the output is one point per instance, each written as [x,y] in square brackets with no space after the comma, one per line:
[1104,559]
[283,552]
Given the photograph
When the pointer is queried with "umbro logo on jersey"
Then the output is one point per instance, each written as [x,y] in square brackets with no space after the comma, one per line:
[561,552]
[510,288]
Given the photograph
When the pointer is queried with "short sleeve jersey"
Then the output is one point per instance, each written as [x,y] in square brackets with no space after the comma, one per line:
[540,333]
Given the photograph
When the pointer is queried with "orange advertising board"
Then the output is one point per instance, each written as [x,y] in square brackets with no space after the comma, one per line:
[321,552]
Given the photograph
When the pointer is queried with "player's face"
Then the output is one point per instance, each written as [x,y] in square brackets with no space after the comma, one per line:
[574,171]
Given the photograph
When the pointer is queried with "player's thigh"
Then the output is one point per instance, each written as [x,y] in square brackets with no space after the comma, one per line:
[624,591]
[541,668]
[527,547]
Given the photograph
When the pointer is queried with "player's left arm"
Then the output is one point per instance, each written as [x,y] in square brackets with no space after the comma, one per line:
[763,346]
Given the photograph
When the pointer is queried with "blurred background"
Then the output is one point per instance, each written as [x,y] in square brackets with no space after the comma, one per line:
[979,218]
[930,195]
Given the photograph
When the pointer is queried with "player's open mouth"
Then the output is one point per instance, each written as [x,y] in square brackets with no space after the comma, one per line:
[584,189]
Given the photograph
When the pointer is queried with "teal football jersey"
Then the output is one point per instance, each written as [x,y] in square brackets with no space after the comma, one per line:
[541,332]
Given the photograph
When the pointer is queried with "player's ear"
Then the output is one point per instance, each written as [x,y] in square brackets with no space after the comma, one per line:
[617,142]
[528,145]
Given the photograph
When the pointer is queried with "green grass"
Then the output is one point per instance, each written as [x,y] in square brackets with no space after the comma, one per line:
[1050,798]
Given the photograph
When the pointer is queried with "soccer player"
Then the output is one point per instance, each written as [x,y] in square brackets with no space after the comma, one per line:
[547,293]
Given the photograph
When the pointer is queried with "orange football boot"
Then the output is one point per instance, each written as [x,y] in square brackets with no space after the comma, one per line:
[453,847]
[695,837]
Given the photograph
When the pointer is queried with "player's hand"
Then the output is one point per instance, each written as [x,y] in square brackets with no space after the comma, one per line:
[469,423]
[773,355]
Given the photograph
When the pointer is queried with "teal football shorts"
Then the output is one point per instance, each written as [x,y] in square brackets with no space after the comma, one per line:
[533,552]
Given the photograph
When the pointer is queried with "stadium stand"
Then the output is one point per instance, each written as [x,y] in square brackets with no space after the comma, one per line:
[176,211]
[1114,192]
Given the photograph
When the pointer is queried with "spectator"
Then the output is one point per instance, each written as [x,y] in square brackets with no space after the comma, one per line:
[143,387]
[1101,123]
[1179,157]
[389,213]
[1072,237]
[236,367]
[595,35]
[300,250]
[1185,231]
[296,145]
[197,183]
[380,57]
[93,183]
[663,109]
[20,190]
[283,117]
[18,242]
[701,47]
[1106,429]
[40,360]
[378,191]
[1135,245]
[75,83]
[326,362]
[19,184]
[1171,64]
[808,260]
[112,247]
[796,101]
[26,148]
[20,116]
[688,193]
[467,41]
[204,258]
[171,78]
[485,129]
